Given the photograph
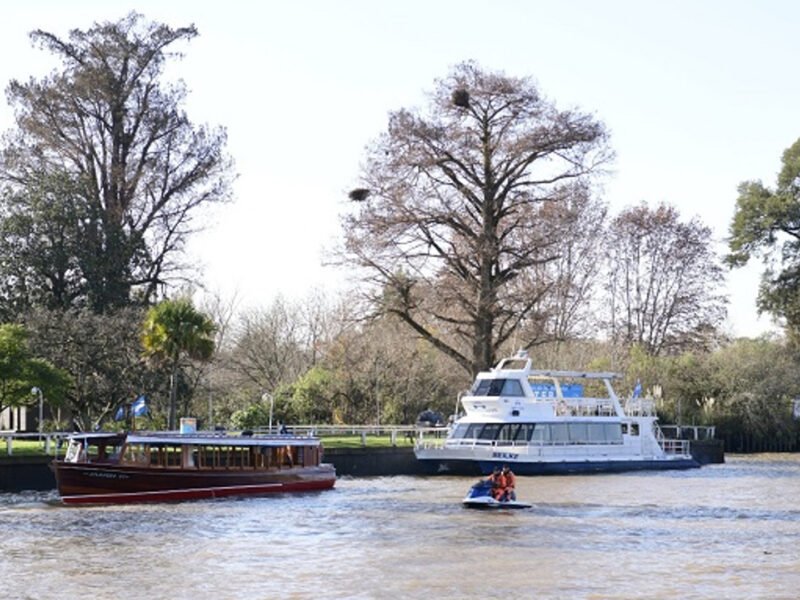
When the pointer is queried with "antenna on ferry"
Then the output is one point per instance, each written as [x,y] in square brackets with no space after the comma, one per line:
[522,353]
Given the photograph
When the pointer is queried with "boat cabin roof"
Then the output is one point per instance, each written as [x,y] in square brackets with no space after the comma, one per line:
[210,439]
[198,439]
[522,366]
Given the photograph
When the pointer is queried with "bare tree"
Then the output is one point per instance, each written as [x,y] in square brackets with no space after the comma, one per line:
[664,281]
[268,348]
[568,311]
[449,213]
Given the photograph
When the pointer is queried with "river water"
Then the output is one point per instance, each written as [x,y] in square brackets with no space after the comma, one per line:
[723,531]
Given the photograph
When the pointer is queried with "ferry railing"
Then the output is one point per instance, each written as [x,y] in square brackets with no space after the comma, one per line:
[478,443]
[689,432]
[585,407]
[670,445]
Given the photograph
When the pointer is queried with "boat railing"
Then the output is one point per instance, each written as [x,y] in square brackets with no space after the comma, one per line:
[672,446]
[428,443]
[585,407]
[689,432]
[640,407]
[675,446]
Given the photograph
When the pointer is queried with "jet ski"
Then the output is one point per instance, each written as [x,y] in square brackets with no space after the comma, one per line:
[480,496]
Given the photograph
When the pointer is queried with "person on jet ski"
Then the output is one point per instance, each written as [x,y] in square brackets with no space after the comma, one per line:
[498,482]
[510,481]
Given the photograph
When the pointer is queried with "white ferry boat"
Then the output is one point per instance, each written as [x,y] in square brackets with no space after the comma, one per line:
[551,422]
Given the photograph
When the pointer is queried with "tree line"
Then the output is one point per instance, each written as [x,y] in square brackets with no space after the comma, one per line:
[477,226]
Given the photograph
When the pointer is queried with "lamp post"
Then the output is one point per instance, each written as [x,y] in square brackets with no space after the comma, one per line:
[264,397]
[38,392]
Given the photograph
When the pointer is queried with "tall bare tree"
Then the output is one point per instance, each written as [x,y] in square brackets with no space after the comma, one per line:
[268,346]
[664,282]
[448,215]
[106,137]
[568,310]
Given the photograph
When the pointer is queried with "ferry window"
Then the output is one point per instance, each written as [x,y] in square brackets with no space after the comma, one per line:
[155,456]
[508,432]
[473,431]
[512,387]
[460,431]
[524,432]
[135,453]
[173,455]
[541,434]
[634,429]
[613,432]
[489,387]
[481,387]
[489,432]
[578,433]
[559,433]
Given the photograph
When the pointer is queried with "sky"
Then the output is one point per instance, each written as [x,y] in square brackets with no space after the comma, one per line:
[698,96]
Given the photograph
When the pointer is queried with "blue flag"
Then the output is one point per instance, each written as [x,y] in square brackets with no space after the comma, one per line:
[139,406]
[120,413]
[637,391]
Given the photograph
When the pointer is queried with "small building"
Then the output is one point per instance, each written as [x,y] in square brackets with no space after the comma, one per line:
[18,419]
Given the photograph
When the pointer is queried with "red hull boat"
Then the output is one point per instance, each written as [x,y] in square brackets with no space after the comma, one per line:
[107,468]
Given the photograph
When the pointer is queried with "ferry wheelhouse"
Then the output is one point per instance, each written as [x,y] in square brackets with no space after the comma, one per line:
[141,467]
[551,422]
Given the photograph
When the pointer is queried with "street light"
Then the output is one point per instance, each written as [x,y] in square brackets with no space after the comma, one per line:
[37,391]
[264,397]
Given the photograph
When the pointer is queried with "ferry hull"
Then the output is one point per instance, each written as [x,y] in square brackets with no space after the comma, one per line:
[116,484]
[478,468]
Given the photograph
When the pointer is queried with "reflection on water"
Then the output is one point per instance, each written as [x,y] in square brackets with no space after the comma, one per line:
[723,531]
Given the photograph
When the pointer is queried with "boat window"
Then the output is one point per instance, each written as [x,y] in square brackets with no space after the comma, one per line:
[460,431]
[473,431]
[156,456]
[634,429]
[579,433]
[489,431]
[613,432]
[512,387]
[541,434]
[135,453]
[597,433]
[508,432]
[559,433]
[524,432]
[488,387]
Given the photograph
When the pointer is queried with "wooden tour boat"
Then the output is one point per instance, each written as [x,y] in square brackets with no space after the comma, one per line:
[101,468]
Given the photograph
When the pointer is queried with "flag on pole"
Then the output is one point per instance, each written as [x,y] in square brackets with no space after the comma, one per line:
[637,390]
[120,415]
[139,406]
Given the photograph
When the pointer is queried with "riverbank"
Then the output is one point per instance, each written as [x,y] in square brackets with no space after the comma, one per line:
[33,472]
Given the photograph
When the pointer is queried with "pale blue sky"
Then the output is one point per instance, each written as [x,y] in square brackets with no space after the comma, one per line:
[698,96]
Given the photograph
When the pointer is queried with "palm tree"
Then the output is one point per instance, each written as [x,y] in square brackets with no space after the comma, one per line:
[174,329]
